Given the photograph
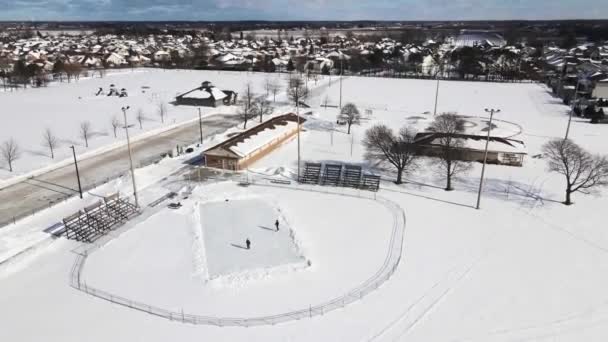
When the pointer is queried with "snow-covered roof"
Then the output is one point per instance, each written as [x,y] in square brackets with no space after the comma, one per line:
[262,138]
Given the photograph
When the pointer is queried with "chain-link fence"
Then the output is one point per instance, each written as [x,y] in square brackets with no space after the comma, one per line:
[390,264]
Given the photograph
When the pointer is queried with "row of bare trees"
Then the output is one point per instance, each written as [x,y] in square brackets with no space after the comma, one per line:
[10,150]
[582,171]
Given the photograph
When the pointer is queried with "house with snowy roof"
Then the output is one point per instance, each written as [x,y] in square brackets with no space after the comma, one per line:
[601,89]
[207,95]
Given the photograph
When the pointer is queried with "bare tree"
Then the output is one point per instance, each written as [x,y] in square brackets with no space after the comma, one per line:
[267,85]
[350,114]
[247,112]
[115,124]
[162,111]
[275,87]
[382,147]
[85,132]
[448,128]
[263,107]
[141,116]
[50,140]
[582,170]
[248,96]
[10,152]
[297,90]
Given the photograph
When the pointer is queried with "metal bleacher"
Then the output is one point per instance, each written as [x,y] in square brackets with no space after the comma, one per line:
[98,219]
[312,172]
[351,177]
[332,174]
[370,182]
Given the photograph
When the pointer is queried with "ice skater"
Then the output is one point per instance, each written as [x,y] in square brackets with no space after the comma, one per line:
[248,243]
[276,224]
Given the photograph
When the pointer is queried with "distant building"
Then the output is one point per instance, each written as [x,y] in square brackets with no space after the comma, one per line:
[601,89]
[501,151]
[206,95]
[240,151]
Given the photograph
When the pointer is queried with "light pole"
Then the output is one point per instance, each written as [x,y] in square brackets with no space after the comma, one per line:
[77,173]
[200,124]
[298,118]
[485,156]
[124,112]
[436,97]
[341,72]
[578,82]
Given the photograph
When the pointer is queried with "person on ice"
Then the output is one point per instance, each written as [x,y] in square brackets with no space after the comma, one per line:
[248,243]
[276,224]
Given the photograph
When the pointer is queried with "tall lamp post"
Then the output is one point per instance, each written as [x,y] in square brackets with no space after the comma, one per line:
[124,112]
[77,173]
[578,82]
[341,72]
[485,156]
[200,124]
[436,97]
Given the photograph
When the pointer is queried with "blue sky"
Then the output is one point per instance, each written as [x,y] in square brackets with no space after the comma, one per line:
[301,9]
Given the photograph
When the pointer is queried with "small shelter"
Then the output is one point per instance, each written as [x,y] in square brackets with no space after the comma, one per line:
[240,151]
[206,95]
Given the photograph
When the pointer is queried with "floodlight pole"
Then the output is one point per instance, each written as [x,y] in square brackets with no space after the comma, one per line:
[485,156]
[578,81]
[298,120]
[341,72]
[124,112]
[200,124]
[77,173]
[436,97]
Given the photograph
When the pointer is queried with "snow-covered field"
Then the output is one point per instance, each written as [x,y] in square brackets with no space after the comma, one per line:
[62,107]
[523,268]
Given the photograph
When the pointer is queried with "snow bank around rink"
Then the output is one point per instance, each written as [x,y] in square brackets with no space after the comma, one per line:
[240,278]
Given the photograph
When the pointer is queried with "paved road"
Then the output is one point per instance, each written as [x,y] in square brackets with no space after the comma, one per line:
[40,192]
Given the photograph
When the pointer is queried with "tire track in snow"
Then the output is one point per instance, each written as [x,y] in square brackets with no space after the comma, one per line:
[403,317]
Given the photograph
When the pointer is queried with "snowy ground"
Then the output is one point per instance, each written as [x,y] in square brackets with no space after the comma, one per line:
[523,268]
[62,107]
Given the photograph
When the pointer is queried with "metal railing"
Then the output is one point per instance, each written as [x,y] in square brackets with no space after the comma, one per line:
[386,270]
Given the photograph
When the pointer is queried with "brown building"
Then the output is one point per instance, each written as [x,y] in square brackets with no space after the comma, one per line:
[242,150]
[501,151]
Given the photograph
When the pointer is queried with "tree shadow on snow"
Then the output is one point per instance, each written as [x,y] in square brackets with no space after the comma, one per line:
[238,246]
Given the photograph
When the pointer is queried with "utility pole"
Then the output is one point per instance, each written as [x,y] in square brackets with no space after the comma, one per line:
[77,173]
[341,72]
[200,124]
[298,118]
[436,97]
[485,156]
[572,109]
[124,112]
